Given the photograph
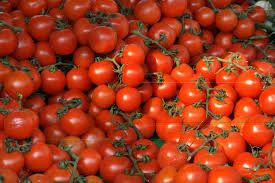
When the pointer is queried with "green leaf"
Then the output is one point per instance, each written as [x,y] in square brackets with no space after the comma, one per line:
[272,2]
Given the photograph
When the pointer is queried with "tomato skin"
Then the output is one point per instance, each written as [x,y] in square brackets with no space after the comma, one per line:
[76,9]
[120,24]
[258,14]
[132,74]
[75,122]
[146,125]
[249,52]
[25,46]
[8,42]
[248,84]
[101,72]
[233,145]
[182,74]
[128,135]
[224,39]
[53,82]
[147,11]
[166,175]
[89,162]
[267,100]
[128,99]
[158,62]
[245,28]
[244,163]
[226,20]
[146,90]
[32,7]
[246,107]
[255,131]
[39,158]
[193,116]
[13,161]
[19,125]
[170,155]
[93,137]
[78,78]
[8,175]
[44,54]
[149,168]
[265,68]
[104,120]
[102,39]
[173,8]
[191,173]
[104,6]
[166,89]
[39,178]
[18,81]
[223,108]
[83,57]
[82,28]
[209,72]
[112,166]
[224,174]
[211,160]
[133,53]
[75,143]
[54,134]
[40,27]
[205,16]
[192,42]
[122,178]
[173,23]
[57,174]
[103,96]
[93,179]
[63,42]
[183,54]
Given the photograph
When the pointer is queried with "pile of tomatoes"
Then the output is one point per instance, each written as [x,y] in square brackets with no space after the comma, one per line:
[119,91]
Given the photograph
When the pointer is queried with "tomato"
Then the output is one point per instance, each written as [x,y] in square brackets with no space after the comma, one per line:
[120,24]
[53,81]
[123,178]
[194,5]
[112,166]
[103,96]
[18,82]
[224,39]
[224,174]
[221,107]
[25,46]
[39,178]
[166,175]
[182,73]
[153,107]
[191,139]
[226,20]
[89,162]
[13,161]
[255,131]
[93,179]
[40,27]
[267,100]
[134,39]
[132,75]
[82,28]
[19,124]
[78,78]
[63,42]
[223,123]
[83,57]
[8,42]
[93,137]
[193,116]
[171,155]
[39,158]
[266,172]
[144,147]
[105,118]
[173,23]
[246,107]
[245,163]
[189,92]
[225,77]
[36,103]
[57,13]
[101,72]
[146,125]
[102,39]
[265,68]
[248,84]
[182,53]
[128,135]
[57,174]
[8,175]
[76,144]
[44,54]
[192,42]
[58,154]
[211,159]
[32,7]
[167,126]
[205,16]
[166,89]
[132,53]
[149,168]
[191,173]
[257,14]
[128,99]
[75,122]
[249,52]
[161,29]
[158,62]
[106,6]
[147,11]
[76,9]
[245,28]
[208,67]
[263,42]
[173,8]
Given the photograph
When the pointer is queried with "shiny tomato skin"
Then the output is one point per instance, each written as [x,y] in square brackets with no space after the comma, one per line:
[246,107]
[192,173]
[225,174]
[76,9]
[53,82]
[13,161]
[173,8]
[8,42]
[101,72]
[9,175]
[226,20]
[147,11]
[44,54]
[128,99]
[267,100]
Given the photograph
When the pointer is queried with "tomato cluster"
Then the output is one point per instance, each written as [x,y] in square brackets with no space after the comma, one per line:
[119,91]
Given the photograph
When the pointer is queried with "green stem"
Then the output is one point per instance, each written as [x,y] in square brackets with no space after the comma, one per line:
[14,29]
[233,63]
[213,6]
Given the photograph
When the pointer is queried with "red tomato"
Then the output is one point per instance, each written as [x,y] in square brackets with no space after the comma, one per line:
[267,100]
[191,173]
[224,174]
